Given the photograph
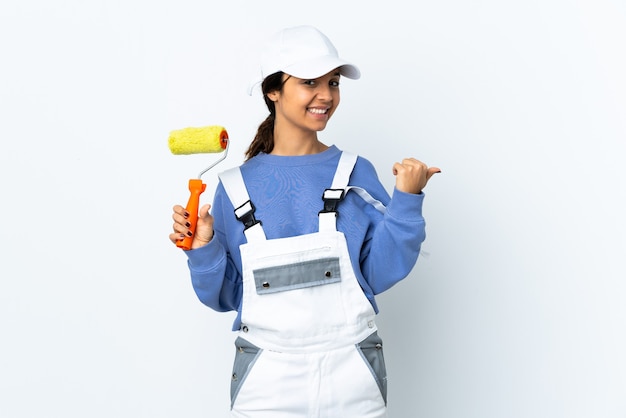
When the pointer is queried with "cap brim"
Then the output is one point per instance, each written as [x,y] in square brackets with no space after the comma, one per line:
[314,68]
[317,67]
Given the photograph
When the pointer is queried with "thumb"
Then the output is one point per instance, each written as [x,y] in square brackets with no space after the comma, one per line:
[204,211]
[432,171]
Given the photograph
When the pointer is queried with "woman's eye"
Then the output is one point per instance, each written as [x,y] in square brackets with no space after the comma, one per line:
[313,83]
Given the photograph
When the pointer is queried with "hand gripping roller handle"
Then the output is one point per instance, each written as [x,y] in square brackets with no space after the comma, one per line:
[208,139]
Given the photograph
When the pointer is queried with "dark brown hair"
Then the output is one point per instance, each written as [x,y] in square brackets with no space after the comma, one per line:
[264,139]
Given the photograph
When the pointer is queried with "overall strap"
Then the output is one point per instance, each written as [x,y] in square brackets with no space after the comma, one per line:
[339,189]
[342,177]
[378,205]
[233,183]
[344,170]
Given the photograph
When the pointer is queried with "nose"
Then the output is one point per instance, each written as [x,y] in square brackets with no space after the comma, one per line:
[324,92]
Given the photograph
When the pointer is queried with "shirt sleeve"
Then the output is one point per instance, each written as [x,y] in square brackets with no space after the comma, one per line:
[214,277]
[393,240]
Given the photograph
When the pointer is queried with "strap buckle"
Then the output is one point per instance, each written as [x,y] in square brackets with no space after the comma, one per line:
[331,198]
[245,214]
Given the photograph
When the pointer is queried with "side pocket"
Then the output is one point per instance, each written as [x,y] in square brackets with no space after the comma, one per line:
[371,350]
[245,357]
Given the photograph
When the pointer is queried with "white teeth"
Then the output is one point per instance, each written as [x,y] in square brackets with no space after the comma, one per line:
[318,111]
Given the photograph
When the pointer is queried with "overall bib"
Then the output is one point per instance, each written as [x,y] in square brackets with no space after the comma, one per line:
[308,345]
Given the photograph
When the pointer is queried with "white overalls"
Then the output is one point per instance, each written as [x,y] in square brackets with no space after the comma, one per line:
[307,346]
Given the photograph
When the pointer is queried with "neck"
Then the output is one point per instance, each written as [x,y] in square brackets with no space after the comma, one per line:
[297,145]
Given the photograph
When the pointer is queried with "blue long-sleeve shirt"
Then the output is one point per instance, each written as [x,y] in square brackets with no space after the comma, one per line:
[287,191]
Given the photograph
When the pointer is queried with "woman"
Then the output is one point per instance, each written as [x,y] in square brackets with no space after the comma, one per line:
[300,239]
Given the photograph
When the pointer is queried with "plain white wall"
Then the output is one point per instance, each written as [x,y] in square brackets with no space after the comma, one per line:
[516,308]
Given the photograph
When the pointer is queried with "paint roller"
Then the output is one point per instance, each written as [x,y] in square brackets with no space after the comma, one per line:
[206,139]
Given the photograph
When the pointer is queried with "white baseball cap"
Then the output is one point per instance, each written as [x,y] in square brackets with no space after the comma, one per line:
[303,52]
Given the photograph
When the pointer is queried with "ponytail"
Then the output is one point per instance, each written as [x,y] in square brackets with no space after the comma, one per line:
[264,139]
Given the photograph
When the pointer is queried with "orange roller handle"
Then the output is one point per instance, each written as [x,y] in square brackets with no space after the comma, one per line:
[196,187]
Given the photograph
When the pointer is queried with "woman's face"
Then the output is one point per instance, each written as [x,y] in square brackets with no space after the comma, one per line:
[306,105]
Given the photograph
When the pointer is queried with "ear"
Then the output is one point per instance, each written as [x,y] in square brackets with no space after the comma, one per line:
[273,95]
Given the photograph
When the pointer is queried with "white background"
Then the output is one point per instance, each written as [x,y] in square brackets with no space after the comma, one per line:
[516,309]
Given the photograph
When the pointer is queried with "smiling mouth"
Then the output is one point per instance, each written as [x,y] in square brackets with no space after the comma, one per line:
[318,111]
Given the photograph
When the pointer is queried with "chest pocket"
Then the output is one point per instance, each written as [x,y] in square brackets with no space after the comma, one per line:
[298,275]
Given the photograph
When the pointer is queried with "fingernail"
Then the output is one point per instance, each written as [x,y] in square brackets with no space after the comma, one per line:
[182,236]
[190,233]
[186,214]
[187,224]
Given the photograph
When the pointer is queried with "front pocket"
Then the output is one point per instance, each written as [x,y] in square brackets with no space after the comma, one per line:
[245,357]
[297,275]
[371,350]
